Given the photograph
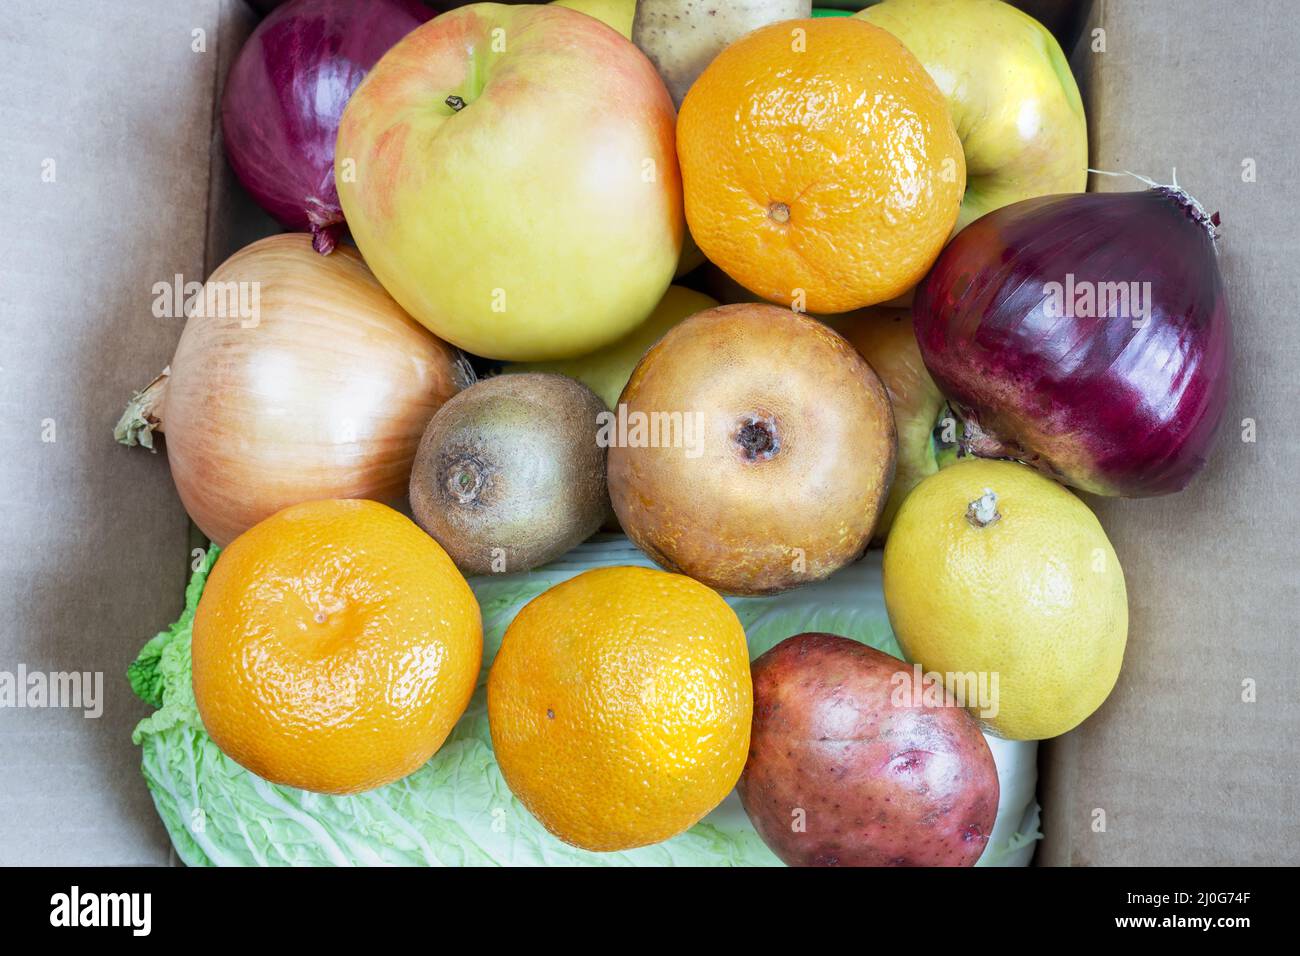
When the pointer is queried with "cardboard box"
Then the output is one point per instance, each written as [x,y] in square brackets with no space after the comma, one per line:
[113,180]
[1195,758]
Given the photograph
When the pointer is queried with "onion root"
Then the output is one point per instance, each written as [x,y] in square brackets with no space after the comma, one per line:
[143,414]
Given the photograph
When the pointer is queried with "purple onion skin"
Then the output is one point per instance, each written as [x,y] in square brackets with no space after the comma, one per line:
[286,92]
[1093,402]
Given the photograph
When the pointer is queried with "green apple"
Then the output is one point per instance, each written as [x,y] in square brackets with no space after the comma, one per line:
[1011,93]
[607,370]
[510,175]
[616,13]
[885,338]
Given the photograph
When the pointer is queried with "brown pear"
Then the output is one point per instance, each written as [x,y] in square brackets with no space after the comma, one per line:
[754,450]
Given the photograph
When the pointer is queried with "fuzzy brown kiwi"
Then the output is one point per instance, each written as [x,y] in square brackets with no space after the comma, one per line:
[509,474]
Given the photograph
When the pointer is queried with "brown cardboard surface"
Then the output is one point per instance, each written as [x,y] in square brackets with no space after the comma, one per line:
[1185,771]
[92,536]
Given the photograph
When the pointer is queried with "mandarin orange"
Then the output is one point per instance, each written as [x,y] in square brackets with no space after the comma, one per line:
[335,646]
[820,166]
[620,704]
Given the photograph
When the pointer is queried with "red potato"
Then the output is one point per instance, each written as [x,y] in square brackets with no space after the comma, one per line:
[840,774]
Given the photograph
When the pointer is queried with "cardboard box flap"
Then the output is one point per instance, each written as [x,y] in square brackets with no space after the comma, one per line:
[112,181]
[1195,758]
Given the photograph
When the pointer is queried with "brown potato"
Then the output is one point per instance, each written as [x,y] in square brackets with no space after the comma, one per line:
[842,774]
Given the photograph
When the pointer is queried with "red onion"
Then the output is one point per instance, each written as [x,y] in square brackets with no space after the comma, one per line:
[1085,334]
[285,94]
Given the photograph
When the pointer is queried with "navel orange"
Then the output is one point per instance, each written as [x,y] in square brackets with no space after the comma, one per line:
[335,646]
[620,704]
[820,166]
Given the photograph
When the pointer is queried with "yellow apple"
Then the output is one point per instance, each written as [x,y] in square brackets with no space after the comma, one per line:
[619,14]
[607,370]
[1011,93]
[510,175]
[885,338]
[616,13]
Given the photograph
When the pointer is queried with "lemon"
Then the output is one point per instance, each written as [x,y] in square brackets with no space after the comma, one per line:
[995,573]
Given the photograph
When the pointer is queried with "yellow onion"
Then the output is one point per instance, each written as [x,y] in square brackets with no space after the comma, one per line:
[297,377]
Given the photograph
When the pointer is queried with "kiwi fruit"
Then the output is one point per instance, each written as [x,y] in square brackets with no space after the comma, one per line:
[509,474]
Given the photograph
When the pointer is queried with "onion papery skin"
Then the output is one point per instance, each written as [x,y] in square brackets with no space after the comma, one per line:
[325,396]
[285,95]
[1094,402]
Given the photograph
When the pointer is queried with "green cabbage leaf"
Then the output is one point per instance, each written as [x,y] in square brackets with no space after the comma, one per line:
[457,810]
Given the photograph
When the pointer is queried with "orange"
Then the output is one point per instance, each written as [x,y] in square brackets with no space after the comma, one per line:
[335,646]
[820,166]
[620,705]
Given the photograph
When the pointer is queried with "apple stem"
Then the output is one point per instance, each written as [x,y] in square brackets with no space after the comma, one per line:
[457,103]
[983,511]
